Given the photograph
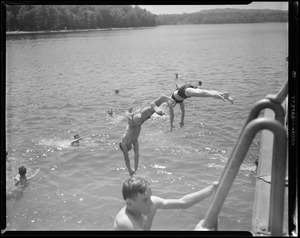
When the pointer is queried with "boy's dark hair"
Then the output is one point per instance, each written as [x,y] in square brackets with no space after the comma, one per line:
[133,186]
[22,170]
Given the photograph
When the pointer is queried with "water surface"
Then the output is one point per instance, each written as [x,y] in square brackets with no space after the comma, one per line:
[61,84]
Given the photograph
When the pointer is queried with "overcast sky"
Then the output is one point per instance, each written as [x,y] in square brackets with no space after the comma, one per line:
[178,9]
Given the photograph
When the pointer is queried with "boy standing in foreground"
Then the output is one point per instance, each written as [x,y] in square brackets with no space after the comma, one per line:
[141,206]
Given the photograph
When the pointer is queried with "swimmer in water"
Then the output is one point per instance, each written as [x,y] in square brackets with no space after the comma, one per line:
[21,178]
[135,121]
[177,76]
[110,112]
[21,181]
[141,206]
[76,140]
[188,91]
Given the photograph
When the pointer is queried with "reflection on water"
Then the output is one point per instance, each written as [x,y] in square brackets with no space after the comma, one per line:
[60,85]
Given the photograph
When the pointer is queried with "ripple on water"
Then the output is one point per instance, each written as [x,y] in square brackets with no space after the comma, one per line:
[54,94]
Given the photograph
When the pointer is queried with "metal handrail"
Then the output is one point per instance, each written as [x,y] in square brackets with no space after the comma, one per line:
[234,163]
[258,107]
[272,101]
[263,104]
[251,127]
[281,95]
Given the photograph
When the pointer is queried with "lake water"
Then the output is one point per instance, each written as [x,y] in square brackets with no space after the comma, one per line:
[61,84]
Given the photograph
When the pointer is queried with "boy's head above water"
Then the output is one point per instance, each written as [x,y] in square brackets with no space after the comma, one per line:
[22,170]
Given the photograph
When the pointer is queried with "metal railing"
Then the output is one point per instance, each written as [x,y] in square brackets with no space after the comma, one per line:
[250,129]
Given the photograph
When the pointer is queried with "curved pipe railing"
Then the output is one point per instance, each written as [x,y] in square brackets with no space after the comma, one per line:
[254,113]
[234,163]
[261,105]
[258,107]
[281,95]
[271,101]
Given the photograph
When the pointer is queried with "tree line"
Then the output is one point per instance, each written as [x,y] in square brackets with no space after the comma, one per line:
[221,16]
[73,17]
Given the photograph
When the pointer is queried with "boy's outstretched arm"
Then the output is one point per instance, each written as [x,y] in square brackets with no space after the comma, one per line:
[30,177]
[187,200]
[73,141]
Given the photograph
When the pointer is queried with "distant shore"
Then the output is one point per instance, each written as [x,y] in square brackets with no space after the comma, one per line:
[107,29]
[68,31]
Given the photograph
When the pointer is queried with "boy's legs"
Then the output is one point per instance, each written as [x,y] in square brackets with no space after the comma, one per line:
[147,112]
[163,99]
[197,92]
[226,96]
[154,106]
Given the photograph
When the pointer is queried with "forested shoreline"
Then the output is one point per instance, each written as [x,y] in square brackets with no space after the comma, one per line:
[225,16]
[87,17]
[75,17]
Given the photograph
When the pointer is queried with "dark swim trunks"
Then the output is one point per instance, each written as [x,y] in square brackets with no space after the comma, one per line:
[181,92]
[128,148]
[176,100]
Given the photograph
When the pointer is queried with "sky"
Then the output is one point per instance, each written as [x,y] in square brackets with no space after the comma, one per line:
[178,9]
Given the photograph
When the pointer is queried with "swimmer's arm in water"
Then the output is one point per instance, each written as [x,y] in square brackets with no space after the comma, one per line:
[17,179]
[126,158]
[76,140]
[182,113]
[30,177]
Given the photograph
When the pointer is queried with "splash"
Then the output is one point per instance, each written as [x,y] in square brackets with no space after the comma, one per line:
[116,119]
[55,143]
[243,167]
[220,162]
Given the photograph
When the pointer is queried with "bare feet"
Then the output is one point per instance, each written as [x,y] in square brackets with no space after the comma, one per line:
[157,110]
[131,173]
[226,96]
